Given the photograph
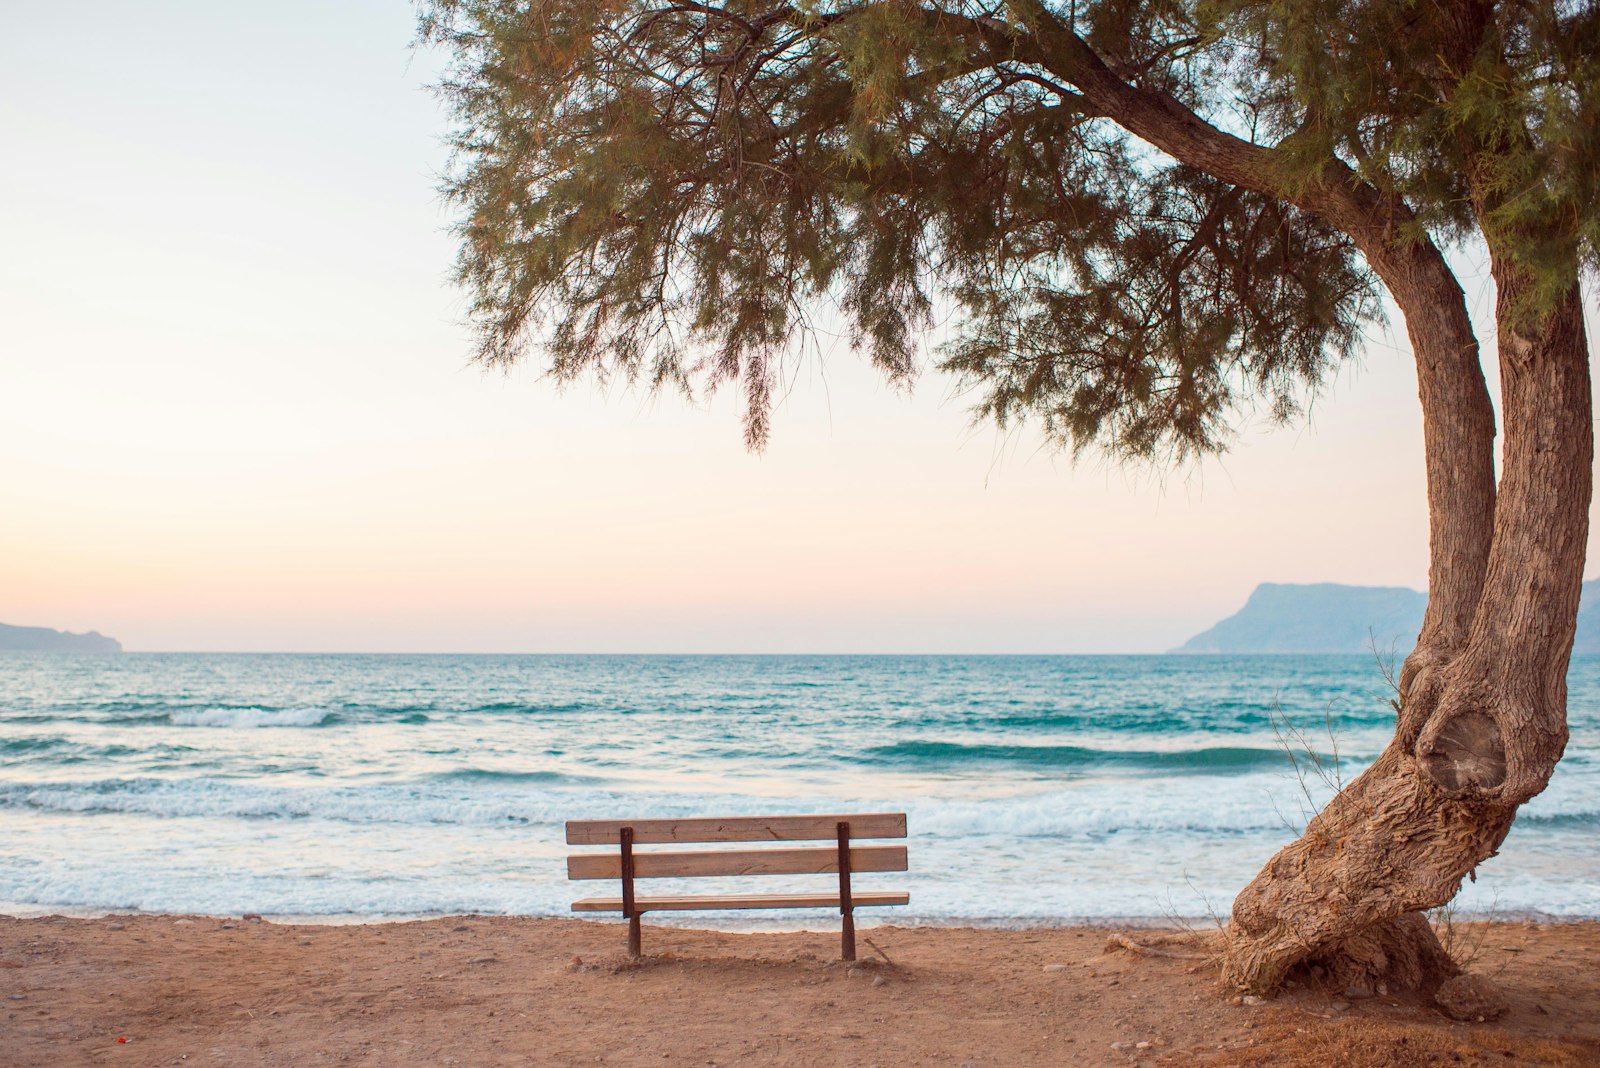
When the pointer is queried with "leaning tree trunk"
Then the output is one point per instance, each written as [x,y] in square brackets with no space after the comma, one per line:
[1483,696]
[1482,711]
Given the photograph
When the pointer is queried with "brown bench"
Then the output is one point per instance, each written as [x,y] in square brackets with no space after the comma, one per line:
[842,857]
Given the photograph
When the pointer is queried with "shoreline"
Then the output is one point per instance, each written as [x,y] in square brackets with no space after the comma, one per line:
[756,924]
[486,990]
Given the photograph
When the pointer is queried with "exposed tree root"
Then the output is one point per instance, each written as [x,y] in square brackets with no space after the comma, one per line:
[1123,942]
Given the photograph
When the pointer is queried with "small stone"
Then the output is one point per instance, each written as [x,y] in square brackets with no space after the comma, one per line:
[253,917]
[1471,997]
[305,940]
[229,926]
[878,980]
[1383,989]
[1339,1006]
[183,923]
[1055,967]
[116,927]
[1142,1045]
[1358,992]
[1236,1000]
[16,997]
[1122,1045]
[1252,1000]
[484,960]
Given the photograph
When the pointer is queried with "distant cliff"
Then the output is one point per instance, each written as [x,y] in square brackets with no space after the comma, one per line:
[1321,618]
[1326,617]
[1588,638]
[45,640]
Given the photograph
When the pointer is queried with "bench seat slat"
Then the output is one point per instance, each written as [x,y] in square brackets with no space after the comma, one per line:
[814,861]
[741,901]
[738,829]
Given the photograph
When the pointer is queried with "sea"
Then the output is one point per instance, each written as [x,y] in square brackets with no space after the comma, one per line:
[1039,789]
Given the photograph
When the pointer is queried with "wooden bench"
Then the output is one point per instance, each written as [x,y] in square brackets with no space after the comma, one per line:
[842,857]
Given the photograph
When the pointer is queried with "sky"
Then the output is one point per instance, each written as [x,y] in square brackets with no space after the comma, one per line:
[237,412]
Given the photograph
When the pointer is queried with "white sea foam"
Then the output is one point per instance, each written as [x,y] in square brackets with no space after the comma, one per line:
[252,717]
[1249,803]
[357,872]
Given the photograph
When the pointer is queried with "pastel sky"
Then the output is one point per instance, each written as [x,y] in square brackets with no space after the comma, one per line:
[237,412]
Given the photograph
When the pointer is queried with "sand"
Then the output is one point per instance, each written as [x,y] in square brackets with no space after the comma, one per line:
[501,991]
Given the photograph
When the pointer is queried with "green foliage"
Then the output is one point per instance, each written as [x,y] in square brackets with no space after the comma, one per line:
[674,193]
[1483,116]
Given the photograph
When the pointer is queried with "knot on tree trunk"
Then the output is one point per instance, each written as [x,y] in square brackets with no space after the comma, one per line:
[1448,725]
[1479,740]
[1465,753]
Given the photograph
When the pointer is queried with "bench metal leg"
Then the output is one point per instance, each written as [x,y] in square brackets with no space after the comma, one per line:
[847,919]
[628,908]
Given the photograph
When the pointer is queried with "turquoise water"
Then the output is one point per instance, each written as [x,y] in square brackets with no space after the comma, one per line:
[1039,789]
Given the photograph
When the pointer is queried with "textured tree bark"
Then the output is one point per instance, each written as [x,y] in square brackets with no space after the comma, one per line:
[1479,733]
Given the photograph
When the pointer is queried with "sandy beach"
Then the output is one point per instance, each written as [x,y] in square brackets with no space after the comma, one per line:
[163,990]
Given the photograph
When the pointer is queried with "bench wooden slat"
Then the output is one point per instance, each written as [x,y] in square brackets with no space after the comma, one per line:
[738,829]
[741,901]
[815,861]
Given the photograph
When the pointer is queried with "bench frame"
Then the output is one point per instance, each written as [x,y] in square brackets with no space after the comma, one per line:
[626,835]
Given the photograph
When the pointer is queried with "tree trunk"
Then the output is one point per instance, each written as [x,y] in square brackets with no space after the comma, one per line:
[1482,710]
[1482,723]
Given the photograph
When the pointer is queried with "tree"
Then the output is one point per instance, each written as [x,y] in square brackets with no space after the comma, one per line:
[1144,214]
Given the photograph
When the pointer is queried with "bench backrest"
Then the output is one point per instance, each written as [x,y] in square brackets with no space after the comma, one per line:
[779,861]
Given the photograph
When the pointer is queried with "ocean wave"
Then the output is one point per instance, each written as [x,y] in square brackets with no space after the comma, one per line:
[493,775]
[530,708]
[34,744]
[1219,716]
[489,798]
[61,750]
[424,803]
[1208,759]
[311,716]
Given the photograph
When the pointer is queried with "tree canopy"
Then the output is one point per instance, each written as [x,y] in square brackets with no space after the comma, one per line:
[1128,210]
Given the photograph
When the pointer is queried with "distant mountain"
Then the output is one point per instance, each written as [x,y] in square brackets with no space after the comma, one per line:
[1320,618]
[45,640]
[1588,637]
[1326,617]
